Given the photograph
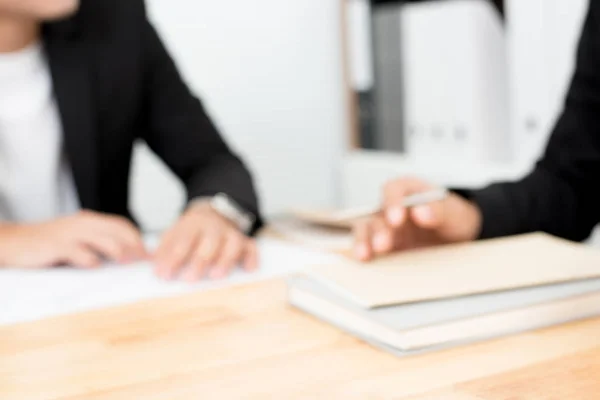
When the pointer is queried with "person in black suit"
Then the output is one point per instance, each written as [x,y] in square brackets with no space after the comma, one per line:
[561,195]
[80,82]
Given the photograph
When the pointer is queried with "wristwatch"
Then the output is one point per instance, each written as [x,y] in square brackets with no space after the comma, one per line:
[230,210]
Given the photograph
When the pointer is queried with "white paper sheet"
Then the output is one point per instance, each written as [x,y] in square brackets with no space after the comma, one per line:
[30,295]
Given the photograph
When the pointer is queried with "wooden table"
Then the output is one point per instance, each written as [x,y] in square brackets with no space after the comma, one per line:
[246,343]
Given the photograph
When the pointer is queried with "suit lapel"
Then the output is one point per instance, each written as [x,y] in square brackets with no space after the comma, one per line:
[72,89]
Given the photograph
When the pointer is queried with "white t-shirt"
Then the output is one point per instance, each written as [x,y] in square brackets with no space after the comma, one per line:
[36,183]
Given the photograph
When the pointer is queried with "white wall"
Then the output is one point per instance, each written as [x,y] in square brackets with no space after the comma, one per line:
[270,73]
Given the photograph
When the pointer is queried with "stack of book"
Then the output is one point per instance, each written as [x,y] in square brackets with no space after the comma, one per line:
[429,299]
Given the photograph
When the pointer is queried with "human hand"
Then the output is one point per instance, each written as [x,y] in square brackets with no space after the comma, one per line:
[204,243]
[396,228]
[81,240]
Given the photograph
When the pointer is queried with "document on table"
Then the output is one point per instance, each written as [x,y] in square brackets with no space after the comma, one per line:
[27,295]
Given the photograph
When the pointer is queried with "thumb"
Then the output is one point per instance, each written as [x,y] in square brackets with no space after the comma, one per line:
[394,194]
[429,216]
[453,218]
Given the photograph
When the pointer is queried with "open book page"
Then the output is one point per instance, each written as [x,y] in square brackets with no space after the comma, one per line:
[320,237]
[343,219]
[33,294]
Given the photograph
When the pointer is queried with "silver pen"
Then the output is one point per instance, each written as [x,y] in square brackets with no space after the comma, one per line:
[414,200]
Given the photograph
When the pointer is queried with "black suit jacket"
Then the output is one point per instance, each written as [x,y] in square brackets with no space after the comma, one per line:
[561,195]
[115,83]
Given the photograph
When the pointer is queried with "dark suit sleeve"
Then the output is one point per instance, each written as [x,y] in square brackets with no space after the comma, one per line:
[181,133]
[561,196]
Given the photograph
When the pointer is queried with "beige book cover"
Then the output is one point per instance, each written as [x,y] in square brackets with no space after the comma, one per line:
[460,269]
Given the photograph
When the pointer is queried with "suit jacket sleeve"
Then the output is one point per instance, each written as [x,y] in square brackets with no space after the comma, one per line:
[561,196]
[180,132]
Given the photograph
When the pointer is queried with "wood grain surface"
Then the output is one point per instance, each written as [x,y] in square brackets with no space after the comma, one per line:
[246,343]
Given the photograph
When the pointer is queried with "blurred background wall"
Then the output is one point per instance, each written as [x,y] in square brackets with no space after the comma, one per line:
[272,73]
[269,72]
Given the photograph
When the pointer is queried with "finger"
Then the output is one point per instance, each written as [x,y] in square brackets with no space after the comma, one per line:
[405,238]
[231,254]
[130,236]
[109,247]
[362,240]
[177,253]
[119,228]
[251,257]
[81,257]
[165,243]
[428,216]
[205,256]
[394,194]
[381,236]
[395,215]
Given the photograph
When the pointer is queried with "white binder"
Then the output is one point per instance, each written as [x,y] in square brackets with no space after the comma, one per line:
[456,82]
[542,39]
